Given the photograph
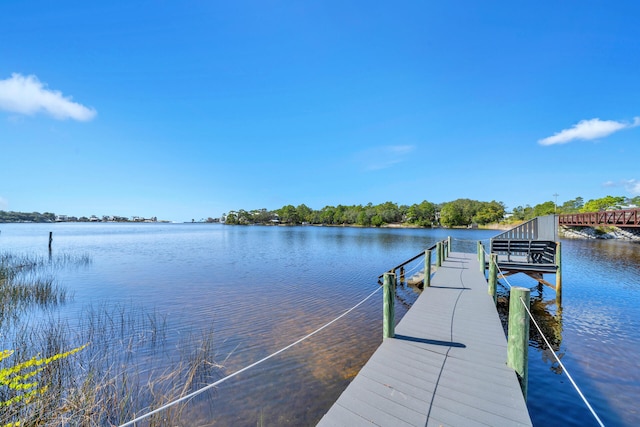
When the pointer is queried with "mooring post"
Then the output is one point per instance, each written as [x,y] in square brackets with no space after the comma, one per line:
[479,249]
[388,305]
[448,245]
[402,274]
[493,277]
[481,257]
[518,335]
[50,239]
[439,254]
[558,274]
[427,269]
[443,257]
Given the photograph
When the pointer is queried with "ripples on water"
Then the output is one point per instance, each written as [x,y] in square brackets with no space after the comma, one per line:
[260,288]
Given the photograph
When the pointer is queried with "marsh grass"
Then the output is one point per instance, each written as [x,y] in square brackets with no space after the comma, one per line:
[132,362]
[28,281]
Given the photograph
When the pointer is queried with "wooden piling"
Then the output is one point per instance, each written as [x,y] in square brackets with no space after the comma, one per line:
[388,306]
[493,277]
[518,335]
[481,257]
[402,274]
[427,269]
[448,245]
[439,254]
[558,274]
[50,239]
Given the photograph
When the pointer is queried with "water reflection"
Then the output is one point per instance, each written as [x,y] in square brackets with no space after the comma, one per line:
[260,288]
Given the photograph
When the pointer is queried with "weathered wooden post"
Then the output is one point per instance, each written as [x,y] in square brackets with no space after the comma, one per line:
[558,274]
[442,252]
[50,239]
[481,257]
[493,277]
[427,269]
[479,249]
[448,245]
[518,335]
[439,254]
[388,305]
[402,274]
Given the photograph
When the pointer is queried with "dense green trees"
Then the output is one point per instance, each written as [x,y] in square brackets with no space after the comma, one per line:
[421,214]
[464,212]
[602,204]
[457,213]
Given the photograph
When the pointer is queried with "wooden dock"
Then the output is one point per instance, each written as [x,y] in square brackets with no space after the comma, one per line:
[446,365]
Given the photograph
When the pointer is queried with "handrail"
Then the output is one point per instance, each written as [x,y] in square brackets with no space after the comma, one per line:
[538,228]
[445,241]
[621,218]
[525,231]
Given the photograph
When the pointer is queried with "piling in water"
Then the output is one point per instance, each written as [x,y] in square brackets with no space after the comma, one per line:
[518,335]
[493,277]
[388,305]
[558,274]
[427,269]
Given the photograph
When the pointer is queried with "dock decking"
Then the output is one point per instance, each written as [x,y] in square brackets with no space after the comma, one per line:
[446,365]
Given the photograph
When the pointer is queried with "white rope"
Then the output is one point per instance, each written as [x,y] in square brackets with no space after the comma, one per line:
[418,265]
[497,266]
[550,348]
[471,240]
[207,387]
[584,399]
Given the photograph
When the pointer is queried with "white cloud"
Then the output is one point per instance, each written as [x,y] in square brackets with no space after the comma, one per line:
[632,186]
[588,129]
[378,158]
[27,95]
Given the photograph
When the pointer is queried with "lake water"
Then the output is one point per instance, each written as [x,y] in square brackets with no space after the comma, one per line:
[257,289]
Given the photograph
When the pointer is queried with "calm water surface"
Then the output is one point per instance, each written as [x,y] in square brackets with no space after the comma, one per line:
[259,289]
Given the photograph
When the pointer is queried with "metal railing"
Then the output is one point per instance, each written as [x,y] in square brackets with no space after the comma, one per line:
[619,218]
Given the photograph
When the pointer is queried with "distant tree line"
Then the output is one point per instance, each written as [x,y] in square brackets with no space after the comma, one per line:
[26,217]
[10,216]
[457,213]
[461,212]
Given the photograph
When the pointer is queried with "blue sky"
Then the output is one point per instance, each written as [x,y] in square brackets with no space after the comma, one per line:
[188,109]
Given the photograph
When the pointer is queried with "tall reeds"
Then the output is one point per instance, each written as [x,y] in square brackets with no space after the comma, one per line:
[131,364]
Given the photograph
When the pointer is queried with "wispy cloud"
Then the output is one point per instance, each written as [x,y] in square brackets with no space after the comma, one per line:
[27,95]
[588,129]
[378,158]
[631,186]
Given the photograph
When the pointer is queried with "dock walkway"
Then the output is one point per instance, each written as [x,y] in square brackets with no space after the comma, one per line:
[446,365]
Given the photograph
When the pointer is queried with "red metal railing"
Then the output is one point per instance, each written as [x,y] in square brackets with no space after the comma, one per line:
[621,218]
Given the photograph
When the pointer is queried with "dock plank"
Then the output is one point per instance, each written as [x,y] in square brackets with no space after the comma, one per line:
[446,365]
